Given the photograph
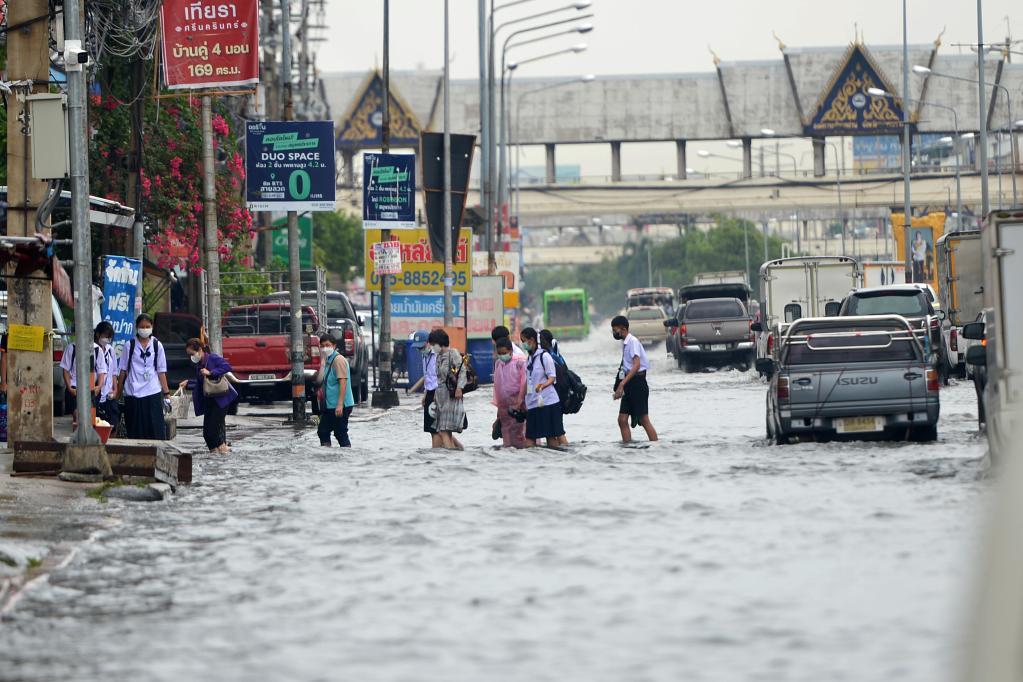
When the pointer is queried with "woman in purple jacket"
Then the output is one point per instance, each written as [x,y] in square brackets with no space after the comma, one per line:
[212,409]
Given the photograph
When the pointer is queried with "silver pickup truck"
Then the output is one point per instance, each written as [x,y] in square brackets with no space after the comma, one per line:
[714,332]
[852,377]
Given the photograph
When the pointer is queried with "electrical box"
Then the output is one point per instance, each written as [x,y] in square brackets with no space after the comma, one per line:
[48,136]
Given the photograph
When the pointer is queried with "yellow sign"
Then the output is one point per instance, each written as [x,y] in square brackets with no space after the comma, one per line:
[511,299]
[924,233]
[418,270]
[25,337]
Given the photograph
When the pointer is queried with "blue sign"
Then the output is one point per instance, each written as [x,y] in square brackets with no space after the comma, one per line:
[422,305]
[289,166]
[121,278]
[389,192]
[846,107]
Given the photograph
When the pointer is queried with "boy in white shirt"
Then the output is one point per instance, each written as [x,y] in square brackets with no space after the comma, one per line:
[630,386]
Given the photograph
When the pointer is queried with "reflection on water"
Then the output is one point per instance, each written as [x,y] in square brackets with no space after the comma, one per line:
[707,556]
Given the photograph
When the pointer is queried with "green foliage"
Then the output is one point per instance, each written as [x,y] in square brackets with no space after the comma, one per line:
[338,244]
[244,286]
[674,263]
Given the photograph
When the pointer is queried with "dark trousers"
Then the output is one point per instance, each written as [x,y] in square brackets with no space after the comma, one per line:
[331,423]
[214,427]
[109,411]
[143,417]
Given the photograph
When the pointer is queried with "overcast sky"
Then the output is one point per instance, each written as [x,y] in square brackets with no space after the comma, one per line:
[651,36]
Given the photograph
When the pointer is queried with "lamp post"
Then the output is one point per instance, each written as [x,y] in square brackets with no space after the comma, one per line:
[769,132]
[491,124]
[505,158]
[589,78]
[923,71]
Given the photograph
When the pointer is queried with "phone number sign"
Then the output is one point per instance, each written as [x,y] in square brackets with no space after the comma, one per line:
[289,166]
[419,272]
[210,44]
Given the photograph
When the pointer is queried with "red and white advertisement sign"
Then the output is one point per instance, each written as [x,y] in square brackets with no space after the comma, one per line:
[210,43]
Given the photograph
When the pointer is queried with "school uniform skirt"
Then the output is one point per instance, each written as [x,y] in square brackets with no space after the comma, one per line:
[545,422]
[143,417]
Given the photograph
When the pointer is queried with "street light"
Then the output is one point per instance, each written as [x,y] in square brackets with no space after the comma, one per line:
[923,70]
[588,78]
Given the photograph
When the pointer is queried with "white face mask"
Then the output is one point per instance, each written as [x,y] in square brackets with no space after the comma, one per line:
[435,348]
[145,332]
[104,342]
[195,359]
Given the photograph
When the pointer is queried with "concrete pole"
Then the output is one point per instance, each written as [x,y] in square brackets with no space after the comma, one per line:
[385,396]
[484,44]
[448,268]
[747,158]
[552,169]
[818,157]
[212,241]
[85,434]
[616,162]
[680,159]
[492,222]
[30,409]
[907,216]
[298,415]
[766,238]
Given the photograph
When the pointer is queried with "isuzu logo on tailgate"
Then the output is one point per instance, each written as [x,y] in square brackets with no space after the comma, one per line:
[855,381]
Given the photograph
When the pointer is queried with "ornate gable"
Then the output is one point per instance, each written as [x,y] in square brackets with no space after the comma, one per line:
[845,108]
[361,126]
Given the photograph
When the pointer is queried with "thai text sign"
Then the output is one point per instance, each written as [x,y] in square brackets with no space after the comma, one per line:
[418,270]
[211,43]
[507,267]
[486,306]
[121,278]
[279,245]
[387,258]
[412,312]
[389,191]
[289,166]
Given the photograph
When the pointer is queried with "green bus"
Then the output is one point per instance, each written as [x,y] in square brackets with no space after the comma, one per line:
[566,313]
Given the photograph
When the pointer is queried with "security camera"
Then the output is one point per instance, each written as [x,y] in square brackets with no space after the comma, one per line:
[75,57]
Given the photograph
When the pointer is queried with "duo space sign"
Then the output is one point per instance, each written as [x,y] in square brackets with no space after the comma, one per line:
[290,166]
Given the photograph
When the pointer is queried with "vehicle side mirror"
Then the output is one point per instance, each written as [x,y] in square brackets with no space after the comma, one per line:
[361,318]
[973,331]
[977,356]
[757,327]
[765,366]
[671,323]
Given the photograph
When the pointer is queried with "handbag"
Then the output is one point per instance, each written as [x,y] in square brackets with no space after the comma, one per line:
[212,388]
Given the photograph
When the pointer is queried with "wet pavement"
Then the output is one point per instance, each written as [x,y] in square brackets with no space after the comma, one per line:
[707,556]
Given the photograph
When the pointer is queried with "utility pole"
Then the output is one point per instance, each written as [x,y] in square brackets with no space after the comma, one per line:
[491,170]
[907,215]
[269,88]
[303,61]
[484,46]
[85,452]
[30,409]
[985,199]
[448,267]
[298,415]
[211,241]
[385,396]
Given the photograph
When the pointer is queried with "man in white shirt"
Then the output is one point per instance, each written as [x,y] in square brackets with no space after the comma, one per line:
[630,386]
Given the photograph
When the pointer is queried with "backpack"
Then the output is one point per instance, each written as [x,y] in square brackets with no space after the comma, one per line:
[570,388]
[471,380]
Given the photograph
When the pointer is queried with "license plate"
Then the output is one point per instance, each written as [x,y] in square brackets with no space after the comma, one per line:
[719,346]
[859,424]
[262,377]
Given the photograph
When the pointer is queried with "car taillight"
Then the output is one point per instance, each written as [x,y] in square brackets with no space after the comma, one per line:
[933,385]
[783,388]
[934,323]
[953,340]
[770,343]
[682,333]
[349,338]
[314,351]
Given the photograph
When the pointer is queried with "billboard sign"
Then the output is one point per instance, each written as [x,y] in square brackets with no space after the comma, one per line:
[389,191]
[289,166]
[305,241]
[419,272]
[121,277]
[210,45]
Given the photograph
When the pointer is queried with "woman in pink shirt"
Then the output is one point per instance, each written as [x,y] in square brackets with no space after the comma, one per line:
[510,392]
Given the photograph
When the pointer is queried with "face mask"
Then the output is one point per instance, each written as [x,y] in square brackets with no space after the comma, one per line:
[195,359]
[104,342]
[529,347]
[504,357]
[326,350]
[145,332]
[617,336]
[435,348]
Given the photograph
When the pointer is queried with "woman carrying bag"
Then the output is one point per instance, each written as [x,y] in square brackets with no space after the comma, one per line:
[212,394]
[451,380]
[335,394]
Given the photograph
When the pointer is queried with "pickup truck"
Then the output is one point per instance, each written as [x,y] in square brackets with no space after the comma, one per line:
[714,332]
[344,324]
[694,292]
[257,341]
[852,377]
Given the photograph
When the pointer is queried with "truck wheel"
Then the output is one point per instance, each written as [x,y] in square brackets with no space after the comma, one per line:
[688,366]
[924,434]
[678,361]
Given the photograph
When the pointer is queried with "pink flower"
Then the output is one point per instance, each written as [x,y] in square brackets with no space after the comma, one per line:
[175,166]
[220,126]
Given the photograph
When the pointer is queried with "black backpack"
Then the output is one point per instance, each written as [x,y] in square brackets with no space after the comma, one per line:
[571,390]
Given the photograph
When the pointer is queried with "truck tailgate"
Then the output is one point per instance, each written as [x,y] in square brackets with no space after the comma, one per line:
[717,331]
[257,355]
[847,391]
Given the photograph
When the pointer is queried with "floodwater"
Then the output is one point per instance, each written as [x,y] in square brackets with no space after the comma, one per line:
[707,556]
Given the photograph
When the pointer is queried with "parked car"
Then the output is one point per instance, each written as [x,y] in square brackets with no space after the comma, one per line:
[257,343]
[864,376]
[695,292]
[714,332]
[915,302]
[646,323]
[347,327]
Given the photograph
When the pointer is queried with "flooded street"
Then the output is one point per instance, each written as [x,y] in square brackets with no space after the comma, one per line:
[707,556]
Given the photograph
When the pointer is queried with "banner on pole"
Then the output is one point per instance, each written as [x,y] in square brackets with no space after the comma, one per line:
[121,278]
[389,192]
[213,44]
[387,258]
[419,271]
[279,245]
[289,166]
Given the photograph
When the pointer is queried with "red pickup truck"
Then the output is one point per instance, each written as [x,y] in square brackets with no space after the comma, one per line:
[257,343]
